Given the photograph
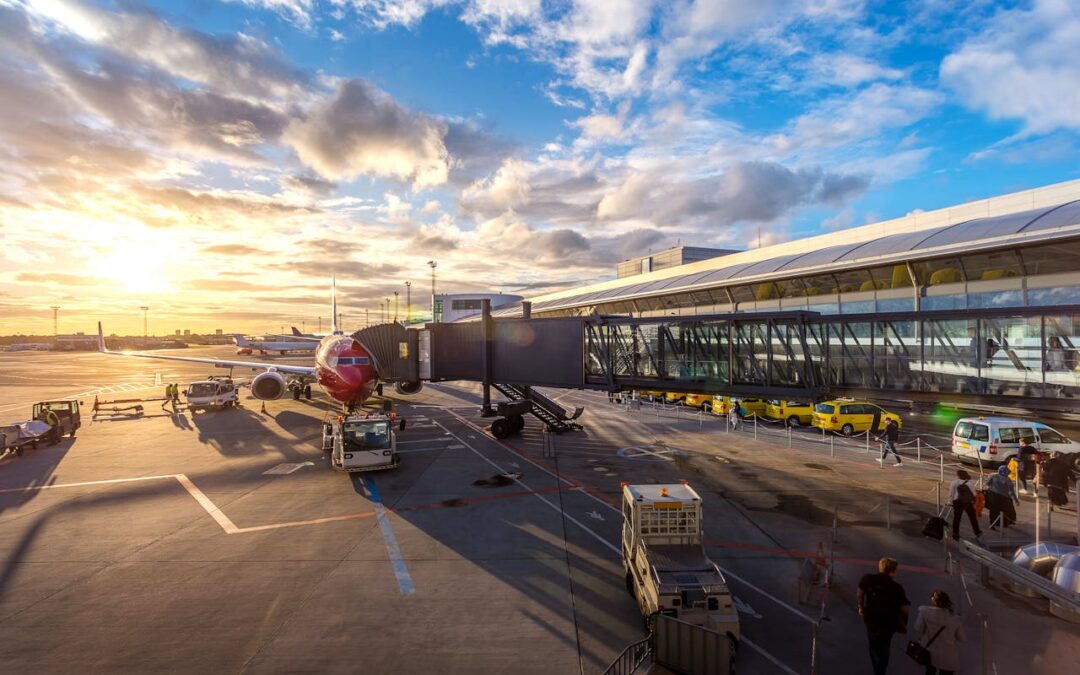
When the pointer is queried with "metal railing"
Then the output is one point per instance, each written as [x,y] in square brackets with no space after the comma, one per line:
[989,561]
[631,657]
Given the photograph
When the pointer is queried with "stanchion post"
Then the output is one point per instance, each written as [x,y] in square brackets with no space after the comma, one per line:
[942,458]
[789,438]
[755,427]
[868,442]
[918,449]
[832,449]
[888,510]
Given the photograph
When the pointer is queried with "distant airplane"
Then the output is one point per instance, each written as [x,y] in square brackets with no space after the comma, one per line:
[343,368]
[272,343]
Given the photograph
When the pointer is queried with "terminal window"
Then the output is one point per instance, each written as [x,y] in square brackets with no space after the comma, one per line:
[471,303]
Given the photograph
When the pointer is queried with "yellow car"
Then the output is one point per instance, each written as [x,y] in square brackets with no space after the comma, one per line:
[750,405]
[849,416]
[793,412]
[650,395]
[674,397]
[702,401]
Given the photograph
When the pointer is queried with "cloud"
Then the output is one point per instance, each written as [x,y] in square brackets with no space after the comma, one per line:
[59,279]
[744,192]
[232,249]
[849,118]
[236,63]
[1023,66]
[223,285]
[507,232]
[362,131]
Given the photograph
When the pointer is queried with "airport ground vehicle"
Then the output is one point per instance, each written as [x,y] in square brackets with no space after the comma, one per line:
[362,442]
[67,411]
[750,405]
[997,439]
[849,416]
[674,397]
[667,570]
[650,395]
[213,392]
[793,413]
[23,435]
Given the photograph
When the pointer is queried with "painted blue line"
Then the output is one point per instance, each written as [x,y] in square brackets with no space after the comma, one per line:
[405,582]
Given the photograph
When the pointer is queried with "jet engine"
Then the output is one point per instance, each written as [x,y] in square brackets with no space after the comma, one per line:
[268,386]
[407,388]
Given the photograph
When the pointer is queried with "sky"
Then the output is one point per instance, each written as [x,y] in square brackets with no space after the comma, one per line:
[219,162]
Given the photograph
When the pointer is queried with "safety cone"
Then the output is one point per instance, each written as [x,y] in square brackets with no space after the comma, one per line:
[263,409]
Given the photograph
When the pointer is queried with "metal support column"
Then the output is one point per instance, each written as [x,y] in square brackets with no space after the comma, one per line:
[488,327]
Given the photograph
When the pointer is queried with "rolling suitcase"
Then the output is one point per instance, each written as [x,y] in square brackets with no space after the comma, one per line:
[935,526]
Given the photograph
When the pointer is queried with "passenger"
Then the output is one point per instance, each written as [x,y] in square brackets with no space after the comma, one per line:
[962,496]
[1027,464]
[892,435]
[940,631]
[1056,474]
[733,416]
[1001,498]
[884,608]
[1055,355]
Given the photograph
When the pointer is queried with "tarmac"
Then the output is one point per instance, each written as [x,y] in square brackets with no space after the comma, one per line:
[223,541]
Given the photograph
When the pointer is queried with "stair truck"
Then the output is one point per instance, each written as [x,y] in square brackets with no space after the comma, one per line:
[362,441]
[667,570]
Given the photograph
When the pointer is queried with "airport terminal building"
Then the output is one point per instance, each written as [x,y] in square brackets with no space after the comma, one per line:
[978,301]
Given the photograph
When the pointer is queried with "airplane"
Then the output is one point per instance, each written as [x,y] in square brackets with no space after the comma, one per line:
[343,368]
[268,343]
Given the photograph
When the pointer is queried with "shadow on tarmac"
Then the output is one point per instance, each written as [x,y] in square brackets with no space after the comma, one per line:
[36,468]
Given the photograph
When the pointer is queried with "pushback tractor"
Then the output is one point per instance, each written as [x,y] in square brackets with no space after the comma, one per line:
[667,570]
[362,442]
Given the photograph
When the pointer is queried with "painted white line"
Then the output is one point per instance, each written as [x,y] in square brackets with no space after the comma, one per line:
[743,640]
[796,612]
[286,468]
[210,507]
[401,572]
[577,522]
[86,483]
[510,450]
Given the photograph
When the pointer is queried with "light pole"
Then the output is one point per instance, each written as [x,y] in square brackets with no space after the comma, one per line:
[387,310]
[55,320]
[433,264]
[367,318]
[144,309]
[408,302]
[395,306]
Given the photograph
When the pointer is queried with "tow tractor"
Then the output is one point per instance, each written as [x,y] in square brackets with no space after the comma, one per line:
[30,433]
[362,441]
[667,570]
[216,391]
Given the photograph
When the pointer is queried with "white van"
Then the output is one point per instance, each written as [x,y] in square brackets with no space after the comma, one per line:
[997,439]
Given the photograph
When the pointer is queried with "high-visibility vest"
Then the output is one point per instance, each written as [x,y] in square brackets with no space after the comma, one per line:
[51,419]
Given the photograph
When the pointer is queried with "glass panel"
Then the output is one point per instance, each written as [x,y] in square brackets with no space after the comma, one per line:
[896,355]
[850,354]
[990,266]
[951,356]
[1064,295]
[1062,257]
[853,281]
[742,293]
[1012,352]
[815,340]
[1060,359]
[750,354]
[856,306]
[954,301]
[893,276]
[938,272]
[1014,298]
[787,359]
[819,285]
[905,304]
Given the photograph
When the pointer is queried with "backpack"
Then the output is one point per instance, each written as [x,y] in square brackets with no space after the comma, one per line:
[879,605]
[964,495]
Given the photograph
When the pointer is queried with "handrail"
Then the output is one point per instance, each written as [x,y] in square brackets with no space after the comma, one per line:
[1016,574]
[630,658]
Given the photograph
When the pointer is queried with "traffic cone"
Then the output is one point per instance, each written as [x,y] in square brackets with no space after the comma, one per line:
[263,409]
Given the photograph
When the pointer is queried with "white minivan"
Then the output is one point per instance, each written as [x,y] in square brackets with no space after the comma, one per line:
[997,439]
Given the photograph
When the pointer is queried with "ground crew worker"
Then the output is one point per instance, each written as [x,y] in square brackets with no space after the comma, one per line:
[168,396]
[50,418]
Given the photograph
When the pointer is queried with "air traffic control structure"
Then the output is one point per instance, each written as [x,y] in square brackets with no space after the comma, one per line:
[978,303]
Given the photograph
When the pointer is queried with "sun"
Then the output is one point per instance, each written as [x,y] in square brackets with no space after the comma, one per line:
[139,266]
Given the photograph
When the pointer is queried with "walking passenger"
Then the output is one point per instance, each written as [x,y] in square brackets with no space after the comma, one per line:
[884,608]
[892,435]
[1056,474]
[940,631]
[1027,463]
[733,416]
[962,496]
[1001,499]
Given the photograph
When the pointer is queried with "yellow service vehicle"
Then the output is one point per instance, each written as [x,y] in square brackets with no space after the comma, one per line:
[849,416]
[793,413]
[650,395]
[674,397]
[749,404]
[667,569]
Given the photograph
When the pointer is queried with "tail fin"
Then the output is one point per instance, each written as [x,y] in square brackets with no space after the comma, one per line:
[296,331]
[100,338]
[333,306]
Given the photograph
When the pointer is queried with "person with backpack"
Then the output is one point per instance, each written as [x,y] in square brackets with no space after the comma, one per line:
[1028,455]
[892,435]
[1001,498]
[962,496]
[939,632]
[884,608]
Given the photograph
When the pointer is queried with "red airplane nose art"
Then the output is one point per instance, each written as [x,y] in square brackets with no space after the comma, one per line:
[344,370]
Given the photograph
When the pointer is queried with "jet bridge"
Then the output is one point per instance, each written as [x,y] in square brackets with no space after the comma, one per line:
[762,354]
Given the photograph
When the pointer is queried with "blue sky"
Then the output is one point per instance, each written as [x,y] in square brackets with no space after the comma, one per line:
[220,160]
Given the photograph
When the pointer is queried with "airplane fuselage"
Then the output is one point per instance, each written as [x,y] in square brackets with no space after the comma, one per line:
[344,370]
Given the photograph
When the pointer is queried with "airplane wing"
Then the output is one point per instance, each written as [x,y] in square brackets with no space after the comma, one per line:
[220,363]
[296,338]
